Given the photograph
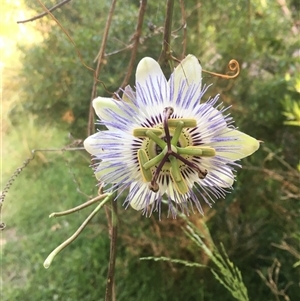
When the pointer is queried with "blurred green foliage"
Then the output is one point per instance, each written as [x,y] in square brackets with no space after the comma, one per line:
[257,223]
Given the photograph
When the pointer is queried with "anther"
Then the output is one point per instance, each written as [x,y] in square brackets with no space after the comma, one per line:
[142,132]
[143,159]
[187,122]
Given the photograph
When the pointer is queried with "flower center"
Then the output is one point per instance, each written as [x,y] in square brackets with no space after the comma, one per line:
[167,151]
[158,149]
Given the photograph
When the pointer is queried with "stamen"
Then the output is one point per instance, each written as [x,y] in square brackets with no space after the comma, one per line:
[176,174]
[162,144]
[141,132]
[187,123]
[177,133]
[154,161]
[177,177]
[180,186]
[196,151]
[143,159]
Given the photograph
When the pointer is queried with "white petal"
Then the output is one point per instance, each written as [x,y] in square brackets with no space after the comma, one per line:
[105,170]
[128,94]
[150,82]
[102,104]
[218,174]
[210,121]
[189,71]
[221,177]
[143,197]
[93,144]
[175,196]
[240,146]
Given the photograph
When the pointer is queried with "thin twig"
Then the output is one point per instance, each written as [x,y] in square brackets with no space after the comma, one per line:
[165,53]
[284,246]
[118,51]
[46,12]
[136,41]
[183,21]
[273,272]
[109,293]
[91,126]
[284,163]
[287,13]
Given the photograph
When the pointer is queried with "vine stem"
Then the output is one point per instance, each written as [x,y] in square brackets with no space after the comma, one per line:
[166,51]
[110,283]
[80,207]
[57,250]
[136,40]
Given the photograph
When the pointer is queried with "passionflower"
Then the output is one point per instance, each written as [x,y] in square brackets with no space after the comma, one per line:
[163,144]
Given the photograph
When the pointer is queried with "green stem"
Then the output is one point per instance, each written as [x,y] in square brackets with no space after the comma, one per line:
[51,256]
[77,208]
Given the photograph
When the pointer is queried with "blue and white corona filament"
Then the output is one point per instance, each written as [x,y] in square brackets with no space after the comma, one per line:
[162,143]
